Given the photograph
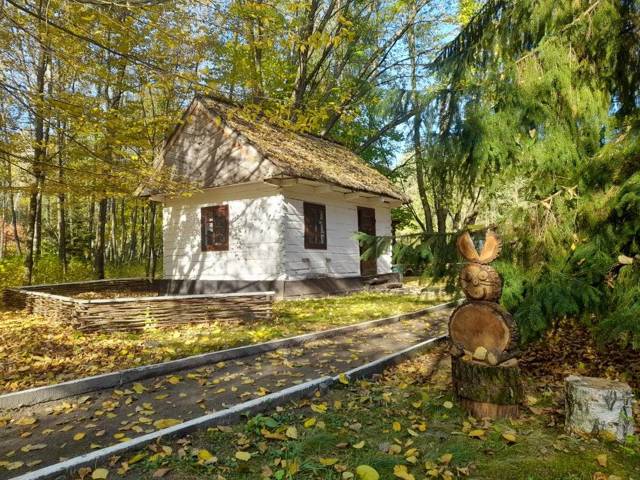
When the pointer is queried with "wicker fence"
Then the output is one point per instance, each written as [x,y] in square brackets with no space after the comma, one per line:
[134,313]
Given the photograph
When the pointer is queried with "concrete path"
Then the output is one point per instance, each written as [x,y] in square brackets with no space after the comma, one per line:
[48,433]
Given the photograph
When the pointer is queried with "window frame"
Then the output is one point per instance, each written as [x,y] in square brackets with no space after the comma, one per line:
[309,242]
[206,213]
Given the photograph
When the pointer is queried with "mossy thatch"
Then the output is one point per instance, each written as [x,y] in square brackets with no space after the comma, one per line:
[301,155]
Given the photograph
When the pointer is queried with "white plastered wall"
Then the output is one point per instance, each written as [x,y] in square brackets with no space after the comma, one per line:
[255,235]
[342,257]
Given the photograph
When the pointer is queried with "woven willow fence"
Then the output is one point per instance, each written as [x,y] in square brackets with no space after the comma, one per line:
[56,302]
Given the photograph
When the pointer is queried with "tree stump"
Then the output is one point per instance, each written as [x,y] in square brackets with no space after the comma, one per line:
[487,390]
[598,406]
[484,324]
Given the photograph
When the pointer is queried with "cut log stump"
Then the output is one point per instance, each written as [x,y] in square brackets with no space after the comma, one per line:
[487,390]
[598,406]
[484,324]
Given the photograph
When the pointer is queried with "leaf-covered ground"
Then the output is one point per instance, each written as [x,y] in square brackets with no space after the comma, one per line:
[38,436]
[403,425]
[36,351]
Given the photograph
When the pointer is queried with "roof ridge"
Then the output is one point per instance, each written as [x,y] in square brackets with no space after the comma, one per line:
[264,117]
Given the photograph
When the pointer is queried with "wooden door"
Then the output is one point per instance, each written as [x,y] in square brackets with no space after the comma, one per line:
[367,224]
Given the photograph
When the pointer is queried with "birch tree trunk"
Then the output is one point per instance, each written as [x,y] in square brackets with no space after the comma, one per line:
[599,407]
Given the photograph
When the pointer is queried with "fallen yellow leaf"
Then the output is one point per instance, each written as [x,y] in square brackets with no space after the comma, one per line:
[365,472]
[244,456]
[328,461]
[26,421]
[79,436]
[396,426]
[358,445]
[166,423]
[205,457]
[602,460]
[100,474]
[478,433]
[291,432]
[400,471]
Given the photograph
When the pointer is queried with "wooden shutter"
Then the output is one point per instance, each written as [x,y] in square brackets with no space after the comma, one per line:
[315,226]
[215,228]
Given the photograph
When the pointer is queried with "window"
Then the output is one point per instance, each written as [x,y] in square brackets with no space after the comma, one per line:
[315,226]
[215,228]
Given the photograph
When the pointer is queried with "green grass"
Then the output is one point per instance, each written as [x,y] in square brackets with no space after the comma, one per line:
[416,400]
[35,351]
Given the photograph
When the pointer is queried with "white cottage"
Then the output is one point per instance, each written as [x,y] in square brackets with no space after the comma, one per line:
[273,209]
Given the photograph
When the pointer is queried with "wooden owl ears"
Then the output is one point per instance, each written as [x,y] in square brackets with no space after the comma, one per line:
[490,249]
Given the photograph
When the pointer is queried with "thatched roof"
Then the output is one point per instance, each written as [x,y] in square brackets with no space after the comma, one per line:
[300,155]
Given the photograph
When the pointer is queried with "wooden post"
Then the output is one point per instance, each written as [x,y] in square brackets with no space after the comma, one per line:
[483,338]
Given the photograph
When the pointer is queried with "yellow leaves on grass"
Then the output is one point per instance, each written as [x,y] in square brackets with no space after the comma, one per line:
[477,433]
[365,472]
[448,405]
[602,460]
[319,408]
[309,422]
[510,437]
[243,456]
[401,471]
[272,435]
[40,347]
[327,462]
[342,378]
[359,445]
[205,457]
[396,426]
[291,432]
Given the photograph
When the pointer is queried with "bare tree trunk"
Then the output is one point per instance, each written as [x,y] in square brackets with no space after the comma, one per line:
[38,156]
[123,233]
[62,229]
[14,215]
[151,259]
[417,144]
[133,246]
[38,234]
[143,233]
[113,240]
[100,240]
[92,215]
[3,225]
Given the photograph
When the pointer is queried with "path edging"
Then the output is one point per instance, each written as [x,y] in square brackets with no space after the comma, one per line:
[58,391]
[227,416]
